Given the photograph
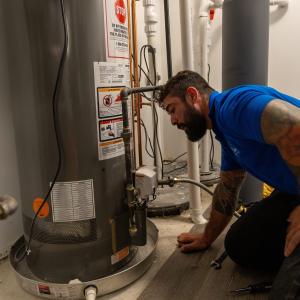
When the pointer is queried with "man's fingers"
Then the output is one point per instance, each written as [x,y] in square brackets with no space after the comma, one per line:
[188,248]
[186,238]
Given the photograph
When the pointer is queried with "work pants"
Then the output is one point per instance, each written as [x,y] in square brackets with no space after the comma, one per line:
[257,240]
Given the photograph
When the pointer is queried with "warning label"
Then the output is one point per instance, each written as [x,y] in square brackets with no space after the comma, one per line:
[110,129]
[109,102]
[110,78]
[116,29]
[111,149]
[109,74]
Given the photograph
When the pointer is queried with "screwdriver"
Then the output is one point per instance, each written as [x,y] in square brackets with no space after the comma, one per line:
[254,288]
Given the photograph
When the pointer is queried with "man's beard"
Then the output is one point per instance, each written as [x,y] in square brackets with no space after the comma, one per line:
[194,124]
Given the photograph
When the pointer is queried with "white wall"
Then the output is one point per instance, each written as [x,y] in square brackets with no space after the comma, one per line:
[284,62]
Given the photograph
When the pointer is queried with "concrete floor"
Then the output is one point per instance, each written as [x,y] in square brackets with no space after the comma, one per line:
[169,229]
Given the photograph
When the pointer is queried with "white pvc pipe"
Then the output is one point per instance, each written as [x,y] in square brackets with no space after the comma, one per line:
[280,3]
[151,20]
[90,293]
[204,21]
[192,148]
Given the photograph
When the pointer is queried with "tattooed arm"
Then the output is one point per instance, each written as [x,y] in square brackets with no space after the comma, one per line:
[280,124]
[224,200]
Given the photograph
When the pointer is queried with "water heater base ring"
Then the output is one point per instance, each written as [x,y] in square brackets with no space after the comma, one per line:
[129,273]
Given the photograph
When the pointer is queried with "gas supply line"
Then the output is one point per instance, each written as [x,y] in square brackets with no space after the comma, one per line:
[139,211]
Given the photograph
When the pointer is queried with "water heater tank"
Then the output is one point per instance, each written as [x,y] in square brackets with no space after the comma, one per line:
[82,231]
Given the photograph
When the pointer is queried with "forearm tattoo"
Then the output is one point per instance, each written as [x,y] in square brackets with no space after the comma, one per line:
[227,191]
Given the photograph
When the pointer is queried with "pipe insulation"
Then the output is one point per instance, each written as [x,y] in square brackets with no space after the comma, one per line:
[245,57]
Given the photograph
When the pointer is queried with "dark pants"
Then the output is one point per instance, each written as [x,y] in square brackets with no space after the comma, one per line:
[257,240]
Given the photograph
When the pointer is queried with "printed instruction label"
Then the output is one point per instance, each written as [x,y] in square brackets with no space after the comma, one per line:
[108,74]
[109,102]
[110,78]
[110,129]
[70,291]
[73,201]
[116,29]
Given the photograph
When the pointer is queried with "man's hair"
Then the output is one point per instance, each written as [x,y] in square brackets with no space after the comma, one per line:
[178,84]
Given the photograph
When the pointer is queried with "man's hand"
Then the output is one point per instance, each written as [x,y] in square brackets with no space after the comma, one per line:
[293,232]
[191,242]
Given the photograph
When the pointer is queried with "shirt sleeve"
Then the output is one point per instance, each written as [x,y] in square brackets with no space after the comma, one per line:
[240,116]
[228,163]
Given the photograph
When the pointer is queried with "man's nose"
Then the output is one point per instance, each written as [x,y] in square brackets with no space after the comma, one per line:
[173,120]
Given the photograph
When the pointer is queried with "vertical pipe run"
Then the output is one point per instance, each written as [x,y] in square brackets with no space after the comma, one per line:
[192,148]
[132,81]
[127,138]
[151,19]
[245,57]
[168,38]
[204,48]
[137,97]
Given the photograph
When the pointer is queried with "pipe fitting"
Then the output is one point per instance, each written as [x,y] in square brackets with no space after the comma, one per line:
[280,3]
[125,92]
[8,205]
[150,17]
[90,292]
[217,3]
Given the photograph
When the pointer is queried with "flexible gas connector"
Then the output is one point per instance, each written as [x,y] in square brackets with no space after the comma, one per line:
[170,181]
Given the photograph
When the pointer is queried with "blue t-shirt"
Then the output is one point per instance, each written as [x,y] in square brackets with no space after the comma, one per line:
[236,118]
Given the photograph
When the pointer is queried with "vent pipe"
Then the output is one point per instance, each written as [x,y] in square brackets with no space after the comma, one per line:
[245,57]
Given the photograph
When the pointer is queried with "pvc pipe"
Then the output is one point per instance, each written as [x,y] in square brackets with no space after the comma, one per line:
[90,293]
[280,3]
[151,20]
[192,148]
[204,49]
[217,3]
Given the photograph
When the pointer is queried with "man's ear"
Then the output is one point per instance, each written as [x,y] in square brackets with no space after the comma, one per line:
[193,95]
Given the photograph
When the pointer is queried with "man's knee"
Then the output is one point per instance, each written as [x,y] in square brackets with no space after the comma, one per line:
[235,245]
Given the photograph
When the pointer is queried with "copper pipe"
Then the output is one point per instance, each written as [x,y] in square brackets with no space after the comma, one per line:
[131,81]
[137,97]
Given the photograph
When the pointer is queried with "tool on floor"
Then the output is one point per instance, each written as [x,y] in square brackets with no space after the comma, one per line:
[217,263]
[261,287]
